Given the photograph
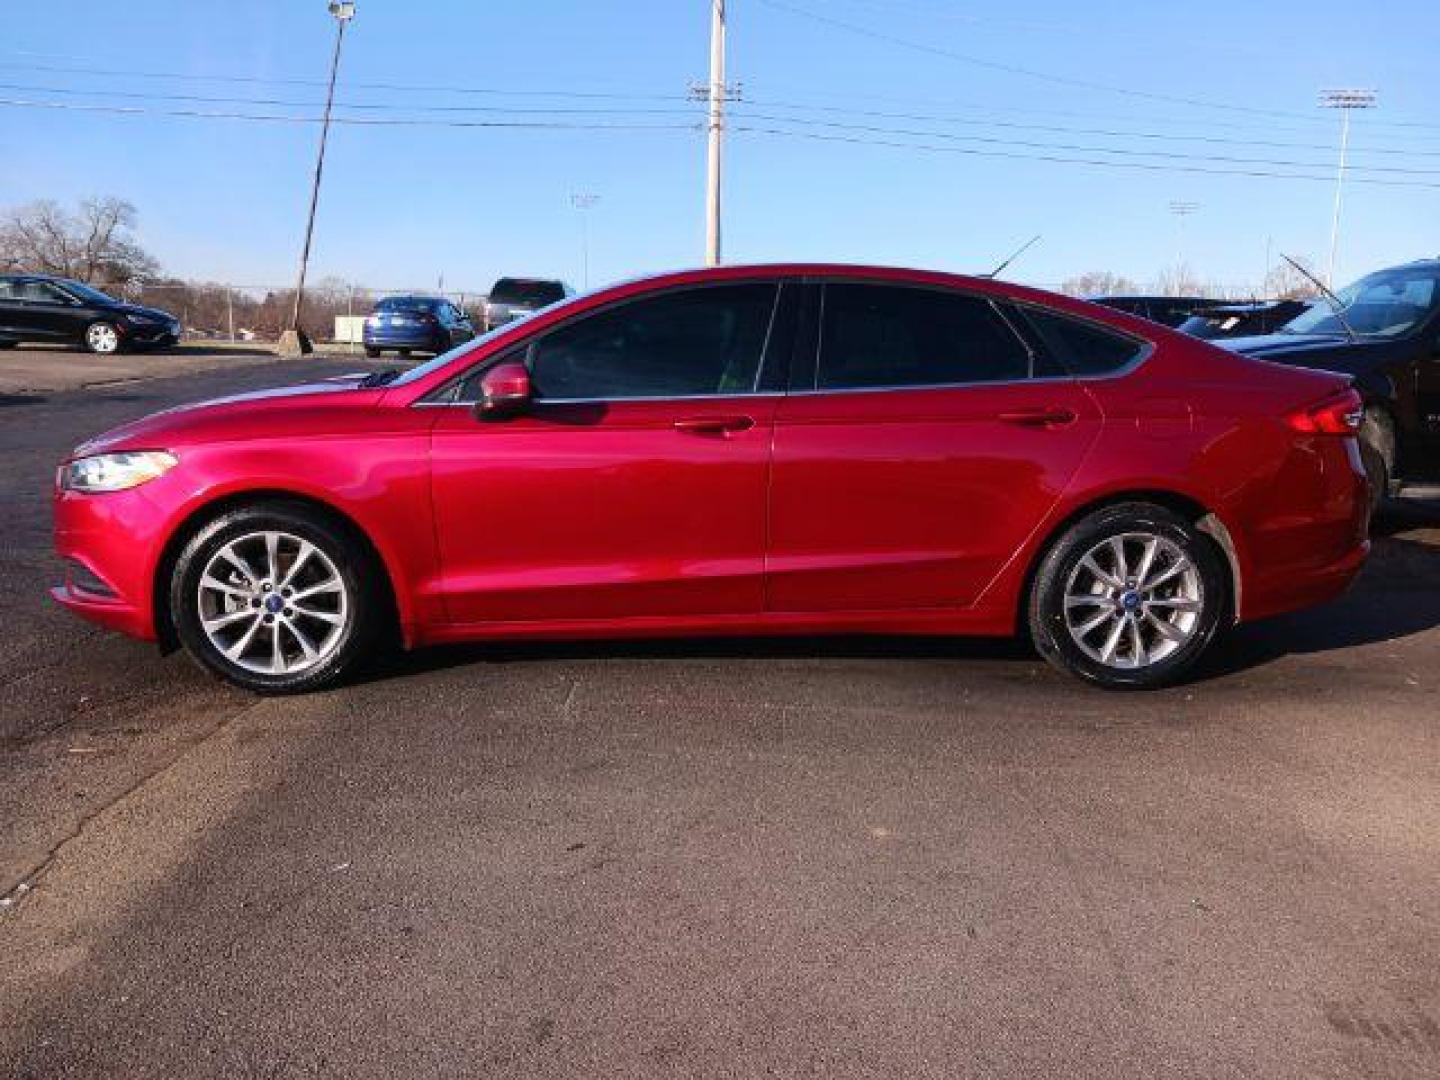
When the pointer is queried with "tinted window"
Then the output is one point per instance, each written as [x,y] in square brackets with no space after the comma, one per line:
[1084,348]
[695,342]
[528,292]
[407,303]
[883,335]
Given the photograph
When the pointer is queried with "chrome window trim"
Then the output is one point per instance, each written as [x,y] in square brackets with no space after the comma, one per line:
[740,394]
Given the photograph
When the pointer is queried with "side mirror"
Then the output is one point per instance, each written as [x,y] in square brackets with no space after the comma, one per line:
[504,391]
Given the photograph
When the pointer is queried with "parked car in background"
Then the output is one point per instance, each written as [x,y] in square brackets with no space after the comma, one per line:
[1243,319]
[771,449]
[1165,310]
[1384,332]
[407,324]
[514,298]
[41,308]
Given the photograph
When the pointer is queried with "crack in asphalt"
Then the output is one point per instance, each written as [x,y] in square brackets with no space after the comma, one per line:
[15,893]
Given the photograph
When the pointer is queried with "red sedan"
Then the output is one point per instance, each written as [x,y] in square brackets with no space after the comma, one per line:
[782,449]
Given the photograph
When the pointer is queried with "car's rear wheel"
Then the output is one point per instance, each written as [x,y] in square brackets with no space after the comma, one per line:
[371,351]
[1377,452]
[1129,597]
[102,338]
[276,598]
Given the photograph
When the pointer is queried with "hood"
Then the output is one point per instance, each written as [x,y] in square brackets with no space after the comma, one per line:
[149,312]
[239,416]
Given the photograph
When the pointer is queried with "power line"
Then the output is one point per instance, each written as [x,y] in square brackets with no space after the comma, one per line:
[567,125]
[1153,136]
[1015,69]
[207,114]
[1080,148]
[389,87]
[210,99]
[1063,160]
[1071,130]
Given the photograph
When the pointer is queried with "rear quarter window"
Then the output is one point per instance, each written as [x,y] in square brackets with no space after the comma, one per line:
[1084,348]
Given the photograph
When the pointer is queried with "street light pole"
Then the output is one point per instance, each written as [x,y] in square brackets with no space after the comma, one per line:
[1346,101]
[294,342]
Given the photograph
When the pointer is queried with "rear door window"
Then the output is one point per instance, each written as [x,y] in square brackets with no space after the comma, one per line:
[881,336]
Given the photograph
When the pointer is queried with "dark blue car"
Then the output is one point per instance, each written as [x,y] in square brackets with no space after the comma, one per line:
[409,324]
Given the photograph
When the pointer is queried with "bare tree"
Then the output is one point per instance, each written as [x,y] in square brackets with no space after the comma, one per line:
[1284,282]
[1098,283]
[1181,281]
[93,245]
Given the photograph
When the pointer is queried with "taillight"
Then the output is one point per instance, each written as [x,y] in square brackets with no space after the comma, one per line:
[1338,414]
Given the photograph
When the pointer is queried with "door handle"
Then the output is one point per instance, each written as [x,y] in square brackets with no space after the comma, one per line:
[1049,417]
[713,425]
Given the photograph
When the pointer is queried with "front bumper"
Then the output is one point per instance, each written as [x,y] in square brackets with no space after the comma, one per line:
[110,544]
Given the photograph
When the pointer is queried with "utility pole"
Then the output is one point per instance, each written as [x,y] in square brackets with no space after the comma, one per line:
[1181,210]
[716,132]
[1346,101]
[584,203]
[294,342]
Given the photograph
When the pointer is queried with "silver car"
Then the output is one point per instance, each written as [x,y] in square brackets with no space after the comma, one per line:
[514,298]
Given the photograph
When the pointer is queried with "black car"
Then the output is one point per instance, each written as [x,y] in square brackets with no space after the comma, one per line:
[1242,320]
[513,298]
[409,324]
[43,308]
[1383,331]
[1166,310]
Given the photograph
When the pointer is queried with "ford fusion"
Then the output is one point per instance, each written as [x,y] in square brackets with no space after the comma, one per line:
[792,449]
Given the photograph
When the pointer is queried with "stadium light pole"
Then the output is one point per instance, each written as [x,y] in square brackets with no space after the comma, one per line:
[1181,210]
[1347,101]
[583,204]
[294,342]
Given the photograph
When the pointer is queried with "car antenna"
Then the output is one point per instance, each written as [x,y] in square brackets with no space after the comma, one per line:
[1013,256]
[1330,298]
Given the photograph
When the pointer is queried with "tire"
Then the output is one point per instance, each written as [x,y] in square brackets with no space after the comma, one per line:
[8,344]
[372,352]
[320,640]
[102,338]
[1175,619]
[1377,452]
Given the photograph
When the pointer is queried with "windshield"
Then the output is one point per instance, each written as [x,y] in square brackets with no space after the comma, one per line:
[85,292]
[1387,304]
[526,291]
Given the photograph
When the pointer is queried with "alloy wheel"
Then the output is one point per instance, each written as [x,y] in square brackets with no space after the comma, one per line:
[273,603]
[1133,600]
[102,338]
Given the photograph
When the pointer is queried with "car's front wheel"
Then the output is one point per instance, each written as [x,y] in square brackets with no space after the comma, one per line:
[276,598]
[102,338]
[1129,597]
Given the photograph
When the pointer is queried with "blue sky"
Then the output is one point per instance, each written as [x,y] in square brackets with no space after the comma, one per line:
[401,205]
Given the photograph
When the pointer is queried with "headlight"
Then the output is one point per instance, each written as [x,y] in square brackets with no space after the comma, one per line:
[142,320]
[115,472]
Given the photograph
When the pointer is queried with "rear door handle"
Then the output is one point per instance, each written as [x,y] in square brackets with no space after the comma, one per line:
[1039,417]
[713,425]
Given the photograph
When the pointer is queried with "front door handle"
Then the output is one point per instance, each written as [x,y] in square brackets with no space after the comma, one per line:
[713,425]
[1048,417]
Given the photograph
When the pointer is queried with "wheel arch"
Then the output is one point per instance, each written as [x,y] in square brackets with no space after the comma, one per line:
[1187,506]
[207,512]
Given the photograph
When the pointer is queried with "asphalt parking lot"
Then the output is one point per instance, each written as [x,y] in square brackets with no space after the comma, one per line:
[814,857]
